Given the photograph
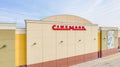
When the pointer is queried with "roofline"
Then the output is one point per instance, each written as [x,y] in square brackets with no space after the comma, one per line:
[48,22]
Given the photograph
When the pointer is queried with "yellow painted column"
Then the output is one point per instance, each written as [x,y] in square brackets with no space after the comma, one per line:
[99,39]
[20,49]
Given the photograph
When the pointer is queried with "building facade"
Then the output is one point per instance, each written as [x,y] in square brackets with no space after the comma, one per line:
[61,41]
[55,41]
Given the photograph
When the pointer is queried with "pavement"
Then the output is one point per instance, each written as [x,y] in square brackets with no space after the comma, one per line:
[109,61]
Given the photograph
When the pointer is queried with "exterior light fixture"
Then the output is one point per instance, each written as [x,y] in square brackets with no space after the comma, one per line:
[3,46]
[34,44]
[79,40]
[60,42]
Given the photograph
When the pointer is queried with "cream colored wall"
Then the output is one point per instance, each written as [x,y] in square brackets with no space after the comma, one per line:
[34,43]
[48,42]
[61,47]
[91,39]
[79,42]
[71,43]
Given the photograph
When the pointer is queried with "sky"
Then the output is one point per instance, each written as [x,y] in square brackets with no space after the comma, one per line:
[101,12]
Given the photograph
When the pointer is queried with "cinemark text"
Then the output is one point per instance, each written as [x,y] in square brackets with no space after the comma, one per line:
[68,27]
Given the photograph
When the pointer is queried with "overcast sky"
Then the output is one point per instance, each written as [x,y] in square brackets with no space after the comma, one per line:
[101,12]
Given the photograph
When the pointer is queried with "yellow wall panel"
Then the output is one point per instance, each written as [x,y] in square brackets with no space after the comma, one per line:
[99,38]
[20,49]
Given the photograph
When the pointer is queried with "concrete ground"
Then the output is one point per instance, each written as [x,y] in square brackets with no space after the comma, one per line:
[109,61]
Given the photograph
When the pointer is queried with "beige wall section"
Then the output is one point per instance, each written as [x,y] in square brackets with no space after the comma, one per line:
[79,43]
[87,41]
[71,43]
[62,44]
[58,44]
[91,39]
[7,54]
[49,42]
[94,40]
[34,43]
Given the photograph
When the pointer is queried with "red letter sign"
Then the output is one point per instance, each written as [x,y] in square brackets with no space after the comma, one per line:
[68,27]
